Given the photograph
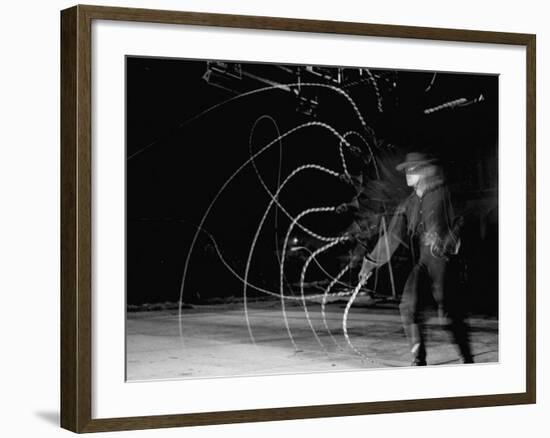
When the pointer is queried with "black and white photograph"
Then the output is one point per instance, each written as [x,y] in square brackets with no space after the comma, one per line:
[305,218]
[269,219]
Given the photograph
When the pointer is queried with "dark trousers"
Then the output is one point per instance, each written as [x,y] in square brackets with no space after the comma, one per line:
[433,272]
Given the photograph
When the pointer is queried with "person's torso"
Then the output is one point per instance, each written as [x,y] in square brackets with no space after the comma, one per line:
[429,218]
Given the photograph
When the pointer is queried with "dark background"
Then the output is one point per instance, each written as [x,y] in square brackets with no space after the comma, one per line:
[177,162]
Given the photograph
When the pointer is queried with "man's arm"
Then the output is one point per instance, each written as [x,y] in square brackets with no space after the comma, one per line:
[388,242]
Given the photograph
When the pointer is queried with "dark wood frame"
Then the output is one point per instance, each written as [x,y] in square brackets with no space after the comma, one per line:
[76,174]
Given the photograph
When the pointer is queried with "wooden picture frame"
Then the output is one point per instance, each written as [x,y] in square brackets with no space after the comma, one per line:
[76,218]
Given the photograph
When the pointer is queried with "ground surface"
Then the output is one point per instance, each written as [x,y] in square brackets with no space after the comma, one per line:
[216,341]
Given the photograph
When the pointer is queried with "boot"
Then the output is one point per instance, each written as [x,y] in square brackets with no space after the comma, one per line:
[419,355]
[459,330]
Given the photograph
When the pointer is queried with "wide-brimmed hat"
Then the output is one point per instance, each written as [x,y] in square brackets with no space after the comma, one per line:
[415,159]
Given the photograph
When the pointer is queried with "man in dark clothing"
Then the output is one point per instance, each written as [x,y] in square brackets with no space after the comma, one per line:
[425,222]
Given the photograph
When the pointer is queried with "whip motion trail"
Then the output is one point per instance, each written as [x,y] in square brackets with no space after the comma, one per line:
[275,202]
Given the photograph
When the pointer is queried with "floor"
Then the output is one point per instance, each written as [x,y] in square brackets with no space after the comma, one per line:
[216,342]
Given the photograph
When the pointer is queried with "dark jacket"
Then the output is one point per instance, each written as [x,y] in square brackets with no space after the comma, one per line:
[425,223]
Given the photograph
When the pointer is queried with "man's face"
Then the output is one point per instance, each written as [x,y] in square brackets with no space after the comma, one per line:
[413,177]
[415,174]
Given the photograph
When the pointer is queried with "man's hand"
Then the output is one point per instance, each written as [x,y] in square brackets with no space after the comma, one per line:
[366,271]
[437,247]
[431,238]
[364,276]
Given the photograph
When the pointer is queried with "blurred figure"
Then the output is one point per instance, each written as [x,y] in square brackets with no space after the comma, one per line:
[425,222]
